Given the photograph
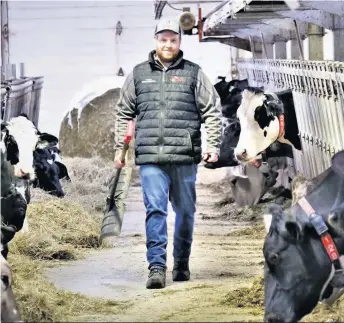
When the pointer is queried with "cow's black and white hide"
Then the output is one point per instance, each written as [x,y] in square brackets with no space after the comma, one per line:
[15,195]
[336,218]
[250,182]
[49,170]
[265,119]
[34,154]
[20,137]
[298,272]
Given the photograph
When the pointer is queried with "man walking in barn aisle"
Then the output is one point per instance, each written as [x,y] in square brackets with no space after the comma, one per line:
[171,97]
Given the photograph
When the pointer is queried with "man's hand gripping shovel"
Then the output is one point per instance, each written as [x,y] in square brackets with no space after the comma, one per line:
[112,221]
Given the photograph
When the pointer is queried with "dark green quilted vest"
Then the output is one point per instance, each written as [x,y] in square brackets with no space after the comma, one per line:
[168,121]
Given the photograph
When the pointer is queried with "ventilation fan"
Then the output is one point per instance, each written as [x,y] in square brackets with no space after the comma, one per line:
[187,20]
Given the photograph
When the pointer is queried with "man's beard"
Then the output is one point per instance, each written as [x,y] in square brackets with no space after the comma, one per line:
[166,60]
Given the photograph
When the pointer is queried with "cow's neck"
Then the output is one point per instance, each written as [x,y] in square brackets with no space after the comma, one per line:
[288,127]
[328,194]
[281,134]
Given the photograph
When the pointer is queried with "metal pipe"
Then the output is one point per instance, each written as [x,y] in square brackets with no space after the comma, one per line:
[252,46]
[200,24]
[21,70]
[264,45]
[299,40]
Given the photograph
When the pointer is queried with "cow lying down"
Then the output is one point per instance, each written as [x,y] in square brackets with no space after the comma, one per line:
[298,272]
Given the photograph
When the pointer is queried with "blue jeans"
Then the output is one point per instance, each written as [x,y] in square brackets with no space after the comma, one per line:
[161,183]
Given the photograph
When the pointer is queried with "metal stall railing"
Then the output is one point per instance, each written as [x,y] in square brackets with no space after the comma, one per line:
[318,92]
[21,95]
[36,99]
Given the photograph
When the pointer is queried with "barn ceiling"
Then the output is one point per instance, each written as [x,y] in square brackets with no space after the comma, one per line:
[270,20]
[235,22]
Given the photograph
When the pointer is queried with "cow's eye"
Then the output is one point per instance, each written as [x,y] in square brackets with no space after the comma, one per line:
[273,258]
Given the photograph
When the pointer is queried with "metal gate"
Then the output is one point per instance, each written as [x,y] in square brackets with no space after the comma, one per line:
[21,95]
[318,92]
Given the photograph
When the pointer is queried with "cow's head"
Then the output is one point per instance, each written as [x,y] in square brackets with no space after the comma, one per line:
[231,100]
[47,172]
[19,137]
[297,269]
[9,308]
[259,114]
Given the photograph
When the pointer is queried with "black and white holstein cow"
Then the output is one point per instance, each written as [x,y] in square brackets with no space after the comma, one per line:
[250,181]
[303,261]
[269,128]
[48,166]
[14,196]
[34,155]
[265,119]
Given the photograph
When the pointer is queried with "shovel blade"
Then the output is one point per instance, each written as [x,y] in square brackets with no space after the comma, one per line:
[112,224]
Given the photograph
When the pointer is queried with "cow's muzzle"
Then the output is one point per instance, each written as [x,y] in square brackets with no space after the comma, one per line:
[240,155]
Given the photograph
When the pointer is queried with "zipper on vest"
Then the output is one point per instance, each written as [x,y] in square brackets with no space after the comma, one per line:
[162,115]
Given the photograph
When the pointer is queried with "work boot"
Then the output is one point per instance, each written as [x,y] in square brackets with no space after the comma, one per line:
[156,278]
[181,271]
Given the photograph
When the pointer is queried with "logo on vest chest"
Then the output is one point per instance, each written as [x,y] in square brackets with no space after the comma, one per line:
[177,79]
[149,81]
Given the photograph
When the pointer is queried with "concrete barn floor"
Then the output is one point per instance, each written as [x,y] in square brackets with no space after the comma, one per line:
[219,264]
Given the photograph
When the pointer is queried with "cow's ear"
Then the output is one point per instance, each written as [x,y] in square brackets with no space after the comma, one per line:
[51,139]
[294,228]
[12,149]
[23,114]
[338,163]
[243,84]
[3,125]
[274,106]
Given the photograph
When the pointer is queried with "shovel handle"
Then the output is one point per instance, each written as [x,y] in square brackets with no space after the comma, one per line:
[127,139]
[128,135]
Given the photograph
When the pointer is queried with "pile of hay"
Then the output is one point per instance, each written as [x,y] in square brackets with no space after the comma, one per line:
[247,297]
[228,210]
[90,131]
[255,232]
[57,230]
[61,229]
[253,297]
[90,181]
